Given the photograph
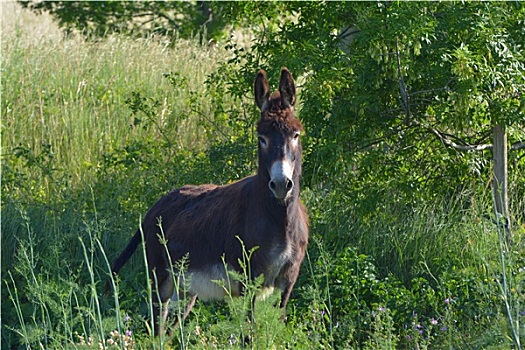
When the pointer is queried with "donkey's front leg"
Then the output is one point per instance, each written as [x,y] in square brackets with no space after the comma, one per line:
[286,281]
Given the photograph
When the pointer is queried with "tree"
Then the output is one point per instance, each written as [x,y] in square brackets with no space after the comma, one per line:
[399,93]
[98,18]
[402,96]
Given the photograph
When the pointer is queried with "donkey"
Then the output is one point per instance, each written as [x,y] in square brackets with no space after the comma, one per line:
[208,225]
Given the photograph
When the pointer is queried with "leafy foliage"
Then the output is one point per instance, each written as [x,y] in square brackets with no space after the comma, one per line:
[136,18]
[403,248]
[379,79]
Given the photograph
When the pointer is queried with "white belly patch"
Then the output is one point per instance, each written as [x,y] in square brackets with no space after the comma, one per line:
[215,283]
[211,284]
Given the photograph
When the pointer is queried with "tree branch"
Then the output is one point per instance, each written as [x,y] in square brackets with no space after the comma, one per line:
[446,88]
[402,86]
[517,146]
[462,148]
[345,33]
[155,16]
[445,138]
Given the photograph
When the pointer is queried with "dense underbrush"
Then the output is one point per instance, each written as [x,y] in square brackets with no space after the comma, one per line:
[93,133]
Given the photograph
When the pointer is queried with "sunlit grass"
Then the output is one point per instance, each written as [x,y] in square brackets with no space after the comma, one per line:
[67,97]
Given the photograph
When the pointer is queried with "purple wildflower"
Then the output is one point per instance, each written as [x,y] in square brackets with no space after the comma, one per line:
[433,321]
[128,333]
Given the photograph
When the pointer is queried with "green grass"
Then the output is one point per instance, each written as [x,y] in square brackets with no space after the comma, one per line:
[94,132]
[71,95]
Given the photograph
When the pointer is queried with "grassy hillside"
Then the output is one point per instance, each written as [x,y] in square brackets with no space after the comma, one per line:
[71,96]
[93,132]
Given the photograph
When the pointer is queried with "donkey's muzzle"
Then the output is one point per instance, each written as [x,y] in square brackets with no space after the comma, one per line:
[281,187]
[281,183]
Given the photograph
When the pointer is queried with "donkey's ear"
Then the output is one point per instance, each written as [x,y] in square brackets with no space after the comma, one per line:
[287,88]
[262,90]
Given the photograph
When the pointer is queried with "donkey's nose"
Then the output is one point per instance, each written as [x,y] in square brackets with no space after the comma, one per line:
[281,187]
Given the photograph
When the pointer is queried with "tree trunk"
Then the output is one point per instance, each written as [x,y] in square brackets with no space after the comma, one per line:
[499,184]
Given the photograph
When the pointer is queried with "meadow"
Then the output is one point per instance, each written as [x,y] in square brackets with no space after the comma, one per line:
[95,131]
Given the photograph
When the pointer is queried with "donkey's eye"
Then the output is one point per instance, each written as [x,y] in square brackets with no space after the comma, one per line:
[296,135]
[262,141]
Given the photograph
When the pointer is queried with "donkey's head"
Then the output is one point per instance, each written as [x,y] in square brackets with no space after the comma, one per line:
[278,130]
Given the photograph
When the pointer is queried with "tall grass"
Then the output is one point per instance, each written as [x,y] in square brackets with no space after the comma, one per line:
[94,131]
[66,99]
[67,113]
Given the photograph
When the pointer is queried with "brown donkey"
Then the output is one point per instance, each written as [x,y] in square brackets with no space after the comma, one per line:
[207,223]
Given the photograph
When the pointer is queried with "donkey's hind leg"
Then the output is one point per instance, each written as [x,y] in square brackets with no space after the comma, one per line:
[162,291]
[189,306]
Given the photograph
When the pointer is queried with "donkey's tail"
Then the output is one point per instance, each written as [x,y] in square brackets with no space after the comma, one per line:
[123,258]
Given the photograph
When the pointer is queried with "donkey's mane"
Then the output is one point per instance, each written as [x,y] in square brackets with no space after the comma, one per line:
[278,118]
